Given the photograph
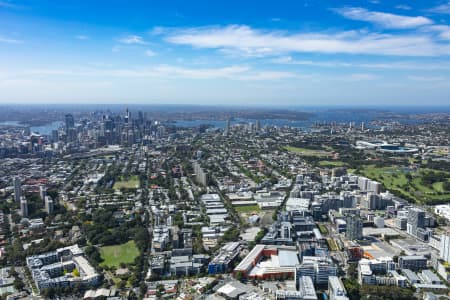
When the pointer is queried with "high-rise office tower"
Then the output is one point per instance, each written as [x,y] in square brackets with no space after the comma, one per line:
[70,122]
[354,227]
[42,192]
[49,205]
[127,117]
[416,220]
[24,207]
[227,127]
[17,189]
[55,136]
[257,126]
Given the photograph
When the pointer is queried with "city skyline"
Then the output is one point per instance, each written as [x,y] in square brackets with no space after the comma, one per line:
[302,53]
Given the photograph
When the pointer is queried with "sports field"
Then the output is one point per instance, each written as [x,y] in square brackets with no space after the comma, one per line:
[331,163]
[131,183]
[247,209]
[113,256]
[308,152]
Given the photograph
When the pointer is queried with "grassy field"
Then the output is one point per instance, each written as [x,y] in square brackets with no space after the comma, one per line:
[396,179]
[247,209]
[131,183]
[117,254]
[332,245]
[323,229]
[308,152]
[438,186]
[331,163]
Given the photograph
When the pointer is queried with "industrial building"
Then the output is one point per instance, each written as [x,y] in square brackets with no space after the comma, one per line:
[269,262]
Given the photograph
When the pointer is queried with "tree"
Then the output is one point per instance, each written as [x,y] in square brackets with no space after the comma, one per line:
[238,275]
[352,270]
[121,284]
[133,280]
[18,284]
[352,287]
[446,186]
[143,288]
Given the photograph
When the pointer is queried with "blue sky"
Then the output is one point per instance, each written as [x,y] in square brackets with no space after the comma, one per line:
[302,53]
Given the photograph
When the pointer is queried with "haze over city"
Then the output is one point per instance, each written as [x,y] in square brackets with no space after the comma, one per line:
[225,52]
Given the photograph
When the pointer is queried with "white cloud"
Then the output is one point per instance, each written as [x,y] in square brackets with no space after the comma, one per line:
[133,39]
[157,30]
[442,30]
[427,78]
[150,53]
[361,77]
[236,72]
[233,72]
[396,65]
[403,6]
[288,60]
[82,37]
[200,73]
[385,20]
[441,9]
[9,40]
[247,41]
[271,75]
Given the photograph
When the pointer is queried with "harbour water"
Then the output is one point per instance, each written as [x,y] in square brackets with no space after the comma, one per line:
[43,129]
[338,116]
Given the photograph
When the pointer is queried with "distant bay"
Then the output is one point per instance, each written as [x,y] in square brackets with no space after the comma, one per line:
[45,129]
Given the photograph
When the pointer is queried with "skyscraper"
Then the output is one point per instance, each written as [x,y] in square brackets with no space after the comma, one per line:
[227,127]
[354,227]
[127,116]
[24,207]
[70,128]
[42,192]
[70,122]
[257,126]
[49,207]
[17,189]
[55,136]
[416,220]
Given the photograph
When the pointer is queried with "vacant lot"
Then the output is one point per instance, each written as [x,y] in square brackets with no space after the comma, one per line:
[113,256]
